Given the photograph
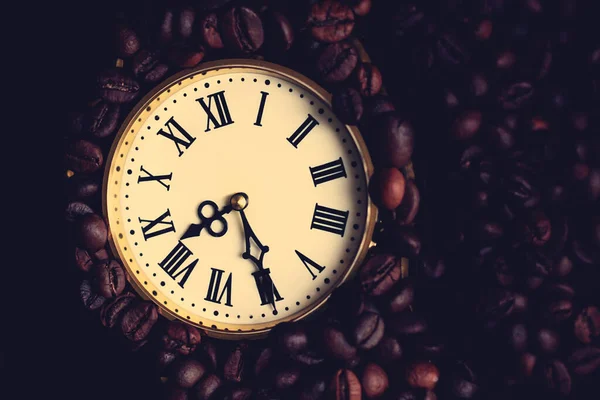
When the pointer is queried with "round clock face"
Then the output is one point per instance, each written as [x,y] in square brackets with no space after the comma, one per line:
[236,199]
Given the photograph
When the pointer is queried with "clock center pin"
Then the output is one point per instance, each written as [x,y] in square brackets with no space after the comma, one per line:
[239,201]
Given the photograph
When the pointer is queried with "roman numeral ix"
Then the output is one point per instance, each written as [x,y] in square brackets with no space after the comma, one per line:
[148,229]
[184,141]
[329,220]
[328,172]
[308,263]
[173,262]
[304,129]
[215,293]
[223,116]
[157,178]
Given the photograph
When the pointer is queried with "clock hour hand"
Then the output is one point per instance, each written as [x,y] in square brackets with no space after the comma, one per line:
[216,215]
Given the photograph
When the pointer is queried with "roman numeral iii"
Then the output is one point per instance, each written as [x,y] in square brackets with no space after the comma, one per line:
[328,172]
[157,178]
[304,129]
[148,229]
[308,263]
[329,220]
[186,140]
[223,116]
[215,292]
[173,262]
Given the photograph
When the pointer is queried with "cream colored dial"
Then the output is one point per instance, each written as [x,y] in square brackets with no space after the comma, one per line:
[245,127]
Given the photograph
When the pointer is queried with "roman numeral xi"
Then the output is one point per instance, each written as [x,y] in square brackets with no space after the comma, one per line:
[157,226]
[173,263]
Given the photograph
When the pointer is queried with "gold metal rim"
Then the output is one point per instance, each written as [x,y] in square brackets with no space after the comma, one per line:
[225,66]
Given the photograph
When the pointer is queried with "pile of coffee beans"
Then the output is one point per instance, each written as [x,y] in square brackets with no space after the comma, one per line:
[501,225]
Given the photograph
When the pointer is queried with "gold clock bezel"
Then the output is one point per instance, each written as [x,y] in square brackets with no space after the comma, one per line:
[122,143]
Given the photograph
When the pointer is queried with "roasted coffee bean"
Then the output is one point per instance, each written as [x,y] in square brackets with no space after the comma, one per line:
[348,105]
[416,394]
[377,105]
[553,376]
[361,7]
[128,42]
[186,56]
[209,31]
[242,30]
[501,138]
[345,385]
[181,338]
[102,120]
[292,338]
[516,95]
[187,372]
[387,187]
[368,79]
[112,311]
[547,340]
[313,389]
[429,345]
[538,229]
[173,392]
[336,62]
[165,33]
[330,21]
[374,380]
[423,375]
[434,267]
[587,325]
[393,138]
[92,232]
[308,358]
[379,274]
[527,363]
[165,360]
[265,356]
[237,393]
[562,266]
[464,384]
[402,241]
[83,260]
[558,311]
[408,323]
[147,66]
[451,51]
[585,360]
[337,344]
[486,231]
[84,157]
[388,350]
[233,369]
[207,387]
[369,330]
[138,320]
[518,337]
[75,123]
[91,299]
[211,4]
[467,125]
[408,209]
[109,278]
[185,22]
[479,85]
[495,306]
[116,87]
[280,32]
[209,353]
[82,188]
[286,378]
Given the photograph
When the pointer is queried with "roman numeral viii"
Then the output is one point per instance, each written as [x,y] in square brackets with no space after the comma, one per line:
[304,129]
[173,262]
[184,139]
[215,293]
[329,220]
[308,263]
[157,178]
[148,229]
[223,116]
[328,172]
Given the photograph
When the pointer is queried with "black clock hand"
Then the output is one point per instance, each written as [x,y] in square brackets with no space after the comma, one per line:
[206,222]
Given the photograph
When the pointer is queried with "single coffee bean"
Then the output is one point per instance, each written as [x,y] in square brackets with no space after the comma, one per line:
[109,278]
[422,375]
[587,325]
[408,209]
[553,376]
[518,337]
[368,331]
[209,31]
[336,62]
[585,360]
[402,241]
[181,338]
[486,231]
[186,56]
[547,340]
[116,87]
[313,389]
[451,51]
[147,66]
[111,312]
[128,42]
[380,273]
[286,378]
[83,260]
[495,306]
[337,345]
[280,32]
[394,140]
[185,22]
[138,320]
[265,356]
[558,311]
[387,188]
[368,79]
[292,338]
[501,138]
[209,351]
[345,385]
[308,358]
[562,266]
[527,363]
[330,21]
[538,229]
[92,232]
[211,4]
[467,125]
[434,267]
[83,188]
[479,85]
[91,299]
[348,105]
[173,392]
[408,323]
[237,393]
[165,360]
[102,120]
[233,369]
[75,123]
[429,345]
[84,157]
[242,30]
[464,384]
[186,373]
[361,7]
[165,32]
[207,387]
[100,255]
[516,95]
[416,394]
[374,381]
[388,350]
